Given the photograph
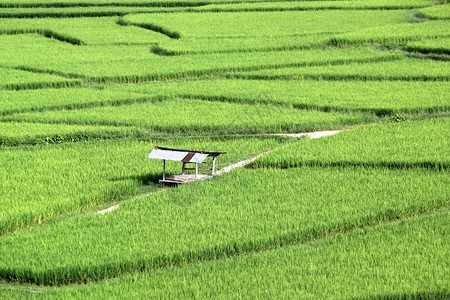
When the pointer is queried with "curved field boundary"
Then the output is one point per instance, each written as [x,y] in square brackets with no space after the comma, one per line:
[338,77]
[399,33]
[78,134]
[436,12]
[93,104]
[46,33]
[435,46]
[15,79]
[156,28]
[212,71]
[164,50]
[40,85]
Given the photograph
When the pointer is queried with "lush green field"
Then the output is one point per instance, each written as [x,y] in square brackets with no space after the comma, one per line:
[15,134]
[407,69]
[439,46]
[437,12]
[64,3]
[338,266]
[247,44]
[313,5]
[401,145]
[134,63]
[12,79]
[281,30]
[399,33]
[90,31]
[82,175]
[197,116]
[216,218]
[54,99]
[397,96]
[81,11]
[266,24]
[89,87]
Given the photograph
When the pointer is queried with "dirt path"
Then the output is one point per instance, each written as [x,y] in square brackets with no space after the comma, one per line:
[107,210]
[311,135]
[242,163]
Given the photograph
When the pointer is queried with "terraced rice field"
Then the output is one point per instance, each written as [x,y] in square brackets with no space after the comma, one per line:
[89,87]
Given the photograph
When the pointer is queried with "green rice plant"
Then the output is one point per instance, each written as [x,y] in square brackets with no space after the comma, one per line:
[398,33]
[265,24]
[80,11]
[197,116]
[407,69]
[32,49]
[45,33]
[239,212]
[88,3]
[397,97]
[311,5]
[247,44]
[436,12]
[91,31]
[65,98]
[15,134]
[133,63]
[397,145]
[352,265]
[439,46]
[38,183]
[12,79]
[104,64]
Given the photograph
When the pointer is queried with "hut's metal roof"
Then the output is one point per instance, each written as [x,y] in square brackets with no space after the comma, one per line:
[183,155]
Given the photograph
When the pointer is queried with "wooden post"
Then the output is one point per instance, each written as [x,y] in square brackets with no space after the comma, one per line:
[213,166]
[182,170]
[196,170]
[164,169]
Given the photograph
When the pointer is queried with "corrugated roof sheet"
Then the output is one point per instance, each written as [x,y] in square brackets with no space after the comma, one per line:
[186,156]
[214,153]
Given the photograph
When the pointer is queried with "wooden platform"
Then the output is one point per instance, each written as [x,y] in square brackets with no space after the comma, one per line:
[186,178]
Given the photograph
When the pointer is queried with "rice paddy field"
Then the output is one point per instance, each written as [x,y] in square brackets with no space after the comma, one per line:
[89,87]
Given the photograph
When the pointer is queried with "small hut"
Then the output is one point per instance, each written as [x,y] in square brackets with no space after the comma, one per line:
[186,157]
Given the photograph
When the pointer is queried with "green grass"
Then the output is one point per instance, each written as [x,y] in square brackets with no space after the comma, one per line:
[65,98]
[439,46]
[399,33]
[152,3]
[90,31]
[409,259]
[242,211]
[134,63]
[436,12]
[313,5]
[402,145]
[75,132]
[15,134]
[197,116]
[247,44]
[80,11]
[11,79]
[42,182]
[265,24]
[407,69]
[411,97]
